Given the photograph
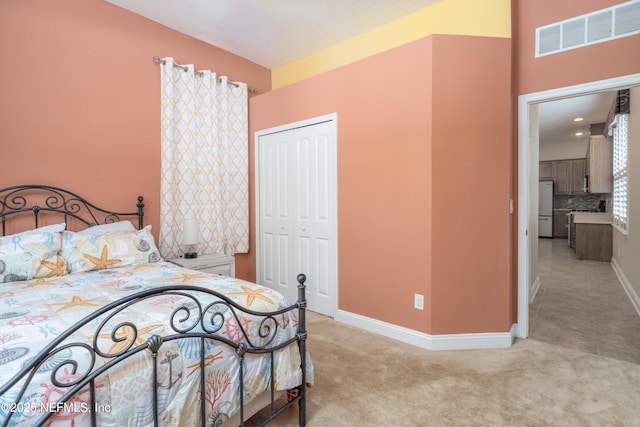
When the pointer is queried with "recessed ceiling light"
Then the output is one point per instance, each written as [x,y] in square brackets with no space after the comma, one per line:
[578,119]
[579,134]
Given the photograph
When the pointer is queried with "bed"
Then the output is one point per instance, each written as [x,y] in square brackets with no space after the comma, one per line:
[97,330]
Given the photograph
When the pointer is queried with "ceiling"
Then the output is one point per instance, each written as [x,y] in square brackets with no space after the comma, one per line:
[272,33]
[556,118]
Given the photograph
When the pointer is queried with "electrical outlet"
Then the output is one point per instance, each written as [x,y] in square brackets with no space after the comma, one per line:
[418,301]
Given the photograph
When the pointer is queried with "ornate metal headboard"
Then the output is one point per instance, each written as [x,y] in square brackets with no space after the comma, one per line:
[36,199]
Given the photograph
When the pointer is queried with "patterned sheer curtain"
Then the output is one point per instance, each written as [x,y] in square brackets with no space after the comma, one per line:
[204,160]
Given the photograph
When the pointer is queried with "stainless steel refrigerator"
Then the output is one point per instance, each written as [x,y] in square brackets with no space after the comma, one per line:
[545,209]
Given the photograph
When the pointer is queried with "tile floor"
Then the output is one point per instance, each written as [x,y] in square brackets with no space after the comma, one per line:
[582,305]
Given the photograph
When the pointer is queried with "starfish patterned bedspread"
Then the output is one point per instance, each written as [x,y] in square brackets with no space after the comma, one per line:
[33,313]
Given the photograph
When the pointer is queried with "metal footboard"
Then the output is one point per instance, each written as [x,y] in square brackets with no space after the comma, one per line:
[200,316]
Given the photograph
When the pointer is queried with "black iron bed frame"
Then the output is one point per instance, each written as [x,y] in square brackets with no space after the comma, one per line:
[186,321]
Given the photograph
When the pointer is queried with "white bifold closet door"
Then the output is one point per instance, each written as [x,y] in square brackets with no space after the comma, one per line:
[297,211]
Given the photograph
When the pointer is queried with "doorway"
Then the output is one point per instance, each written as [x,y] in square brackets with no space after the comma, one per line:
[296,210]
[528,151]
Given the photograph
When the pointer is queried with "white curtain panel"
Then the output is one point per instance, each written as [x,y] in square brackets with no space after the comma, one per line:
[205,159]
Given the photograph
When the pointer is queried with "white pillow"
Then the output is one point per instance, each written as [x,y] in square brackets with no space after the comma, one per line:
[102,229]
[53,228]
[85,252]
[32,254]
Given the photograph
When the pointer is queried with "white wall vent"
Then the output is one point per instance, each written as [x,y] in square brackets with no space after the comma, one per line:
[603,25]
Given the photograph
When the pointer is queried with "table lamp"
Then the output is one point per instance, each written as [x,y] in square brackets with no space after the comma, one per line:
[190,236]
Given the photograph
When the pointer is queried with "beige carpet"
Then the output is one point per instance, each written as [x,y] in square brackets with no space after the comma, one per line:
[363,379]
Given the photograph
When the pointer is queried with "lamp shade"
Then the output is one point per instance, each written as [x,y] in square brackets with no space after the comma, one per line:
[190,233]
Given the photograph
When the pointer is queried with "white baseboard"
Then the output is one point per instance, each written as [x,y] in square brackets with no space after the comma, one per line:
[626,285]
[427,341]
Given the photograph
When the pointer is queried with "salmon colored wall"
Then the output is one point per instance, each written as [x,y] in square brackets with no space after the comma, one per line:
[383,171]
[80,104]
[587,64]
[471,172]
[397,115]
[600,61]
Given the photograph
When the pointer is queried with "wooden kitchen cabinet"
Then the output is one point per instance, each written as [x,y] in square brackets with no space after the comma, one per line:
[594,242]
[561,176]
[568,176]
[576,178]
[560,223]
[600,164]
[546,170]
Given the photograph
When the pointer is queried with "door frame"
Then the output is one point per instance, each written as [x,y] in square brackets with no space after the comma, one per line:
[528,150]
[332,117]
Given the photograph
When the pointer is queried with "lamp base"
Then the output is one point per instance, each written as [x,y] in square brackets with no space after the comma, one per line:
[190,255]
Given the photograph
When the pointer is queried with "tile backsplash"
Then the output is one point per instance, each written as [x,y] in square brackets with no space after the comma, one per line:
[581,202]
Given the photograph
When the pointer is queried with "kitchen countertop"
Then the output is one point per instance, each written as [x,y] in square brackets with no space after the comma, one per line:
[592,217]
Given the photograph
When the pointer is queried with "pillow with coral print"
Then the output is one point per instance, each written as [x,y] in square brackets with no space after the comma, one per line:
[32,254]
[86,251]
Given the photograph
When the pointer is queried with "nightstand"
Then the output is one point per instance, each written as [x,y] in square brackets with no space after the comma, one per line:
[224,265]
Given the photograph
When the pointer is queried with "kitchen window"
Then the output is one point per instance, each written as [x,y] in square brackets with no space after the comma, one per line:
[620,173]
